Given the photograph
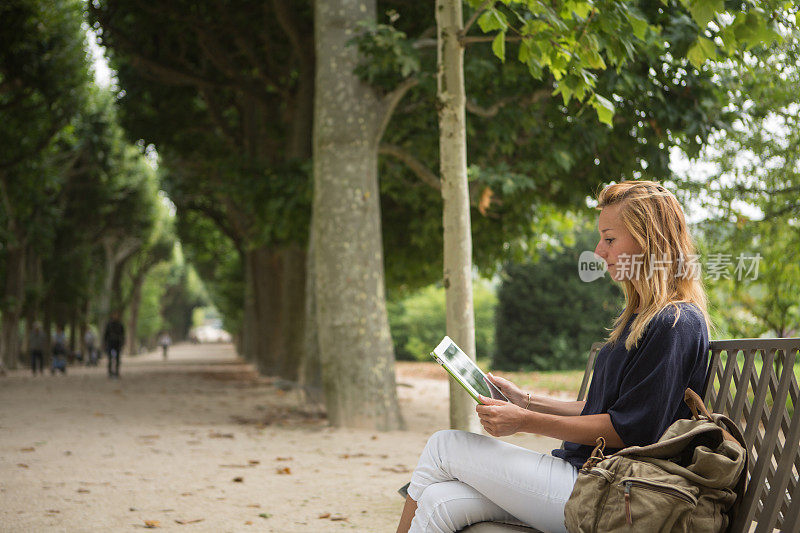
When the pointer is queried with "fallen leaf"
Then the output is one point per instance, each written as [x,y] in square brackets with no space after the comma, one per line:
[374,437]
[254,505]
[324,515]
[22,465]
[53,511]
[351,456]
[83,491]
[249,523]
[338,518]
[399,469]
[152,524]
[217,435]
[253,462]
[238,479]
[186,493]
[28,449]
[185,522]
[284,470]
[283,458]
[264,515]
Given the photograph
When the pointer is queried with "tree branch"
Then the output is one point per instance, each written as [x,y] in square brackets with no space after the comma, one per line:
[214,111]
[475,16]
[415,165]
[390,101]
[490,112]
[487,39]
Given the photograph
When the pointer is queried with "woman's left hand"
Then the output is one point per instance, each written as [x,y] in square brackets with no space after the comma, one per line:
[501,418]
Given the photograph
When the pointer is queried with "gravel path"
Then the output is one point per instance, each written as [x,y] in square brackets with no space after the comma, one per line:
[199,443]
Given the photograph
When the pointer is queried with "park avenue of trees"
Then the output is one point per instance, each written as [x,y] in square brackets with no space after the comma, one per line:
[310,159]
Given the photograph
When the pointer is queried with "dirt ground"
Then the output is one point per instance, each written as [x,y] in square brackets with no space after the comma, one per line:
[200,442]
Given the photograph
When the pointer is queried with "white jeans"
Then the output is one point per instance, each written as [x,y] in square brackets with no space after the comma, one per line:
[463,478]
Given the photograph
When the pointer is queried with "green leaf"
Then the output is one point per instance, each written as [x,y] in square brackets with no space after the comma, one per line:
[704,10]
[701,51]
[524,52]
[492,20]
[605,109]
[499,46]
[582,9]
[638,24]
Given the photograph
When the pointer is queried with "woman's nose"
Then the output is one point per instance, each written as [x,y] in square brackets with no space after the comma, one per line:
[598,250]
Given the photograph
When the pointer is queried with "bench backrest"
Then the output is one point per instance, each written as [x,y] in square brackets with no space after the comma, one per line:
[754,382]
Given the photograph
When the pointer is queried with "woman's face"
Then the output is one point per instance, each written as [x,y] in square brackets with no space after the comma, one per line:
[616,241]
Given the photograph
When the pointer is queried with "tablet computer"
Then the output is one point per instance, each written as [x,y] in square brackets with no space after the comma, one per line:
[465,371]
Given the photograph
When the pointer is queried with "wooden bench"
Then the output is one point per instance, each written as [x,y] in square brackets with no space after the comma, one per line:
[743,384]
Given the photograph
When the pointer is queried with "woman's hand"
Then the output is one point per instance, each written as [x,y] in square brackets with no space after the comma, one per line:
[501,418]
[511,391]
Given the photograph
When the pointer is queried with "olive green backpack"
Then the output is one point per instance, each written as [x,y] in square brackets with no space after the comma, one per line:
[690,480]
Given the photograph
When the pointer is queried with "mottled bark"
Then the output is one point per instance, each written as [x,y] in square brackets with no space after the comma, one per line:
[249,318]
[455,194]
[278,312]
[132,339]
[310,373]
[116,253]
[13,293]
[355,344]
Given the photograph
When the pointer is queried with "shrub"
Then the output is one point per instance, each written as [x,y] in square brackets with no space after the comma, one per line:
[546,317]
[418,322]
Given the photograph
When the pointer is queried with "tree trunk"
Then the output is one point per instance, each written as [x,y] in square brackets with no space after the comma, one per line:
[292,311]
[455,194]
[12,309]
[263,336]
[249,317]
[310,373]
[116,253]
[73,325]
[47,327]
[355,344]
[278,292]
[133,314]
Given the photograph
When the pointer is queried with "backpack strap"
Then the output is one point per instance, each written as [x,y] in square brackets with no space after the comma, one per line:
[731,432]
[597,454]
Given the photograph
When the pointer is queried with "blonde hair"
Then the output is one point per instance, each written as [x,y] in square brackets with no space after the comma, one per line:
[656,221]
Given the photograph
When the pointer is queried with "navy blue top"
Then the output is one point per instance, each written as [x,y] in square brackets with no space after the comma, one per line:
[642,389]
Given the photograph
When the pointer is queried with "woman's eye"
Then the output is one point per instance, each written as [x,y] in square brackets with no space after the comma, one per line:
[609,241]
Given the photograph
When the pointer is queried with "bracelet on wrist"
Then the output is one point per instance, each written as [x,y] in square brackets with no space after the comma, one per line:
[528,402]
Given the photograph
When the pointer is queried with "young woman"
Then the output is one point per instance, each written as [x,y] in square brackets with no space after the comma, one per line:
[657,349]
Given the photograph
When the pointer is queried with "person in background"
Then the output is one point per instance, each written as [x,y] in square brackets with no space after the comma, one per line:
[113,339]
[59,351]
[37,344]
[90,341]
[164,340]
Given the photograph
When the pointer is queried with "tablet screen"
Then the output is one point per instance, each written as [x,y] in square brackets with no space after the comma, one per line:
[465,371]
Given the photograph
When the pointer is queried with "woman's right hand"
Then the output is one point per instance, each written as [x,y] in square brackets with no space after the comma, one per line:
[511,391]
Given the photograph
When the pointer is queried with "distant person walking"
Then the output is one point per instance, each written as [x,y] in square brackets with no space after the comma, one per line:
[59,351]
[37,345]
[113,339]
[90,341]
[164,340]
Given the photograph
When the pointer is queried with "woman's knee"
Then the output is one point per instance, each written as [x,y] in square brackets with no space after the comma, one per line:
[445,438]
[451,506]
